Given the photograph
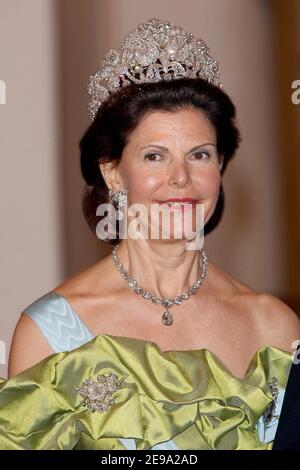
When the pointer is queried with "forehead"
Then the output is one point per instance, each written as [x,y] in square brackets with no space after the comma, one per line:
[186,124]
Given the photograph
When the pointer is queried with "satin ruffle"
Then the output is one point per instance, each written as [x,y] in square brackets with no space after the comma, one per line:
[177,399]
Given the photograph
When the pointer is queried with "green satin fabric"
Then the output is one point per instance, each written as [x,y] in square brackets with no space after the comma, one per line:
[189,397]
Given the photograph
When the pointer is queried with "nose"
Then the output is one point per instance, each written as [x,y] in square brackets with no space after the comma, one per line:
[179,175]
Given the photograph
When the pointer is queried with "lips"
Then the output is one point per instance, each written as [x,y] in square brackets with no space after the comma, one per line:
[180,200]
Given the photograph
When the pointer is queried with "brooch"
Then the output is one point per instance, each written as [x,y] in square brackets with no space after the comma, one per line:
[97,394]
[268,414]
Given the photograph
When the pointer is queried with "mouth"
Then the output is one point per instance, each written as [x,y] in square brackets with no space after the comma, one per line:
[179,204]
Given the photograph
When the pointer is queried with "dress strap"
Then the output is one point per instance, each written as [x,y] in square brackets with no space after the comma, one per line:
[61,326]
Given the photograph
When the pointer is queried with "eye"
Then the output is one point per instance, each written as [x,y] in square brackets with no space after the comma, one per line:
[202,152]
[150,155]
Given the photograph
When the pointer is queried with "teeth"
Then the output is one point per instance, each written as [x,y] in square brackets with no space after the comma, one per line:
[178,204]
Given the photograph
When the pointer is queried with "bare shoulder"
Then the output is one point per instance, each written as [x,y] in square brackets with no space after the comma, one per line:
[28,346]
[278,322]
[269,321]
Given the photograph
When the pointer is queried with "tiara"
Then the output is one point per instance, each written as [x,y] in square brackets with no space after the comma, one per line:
[156,50]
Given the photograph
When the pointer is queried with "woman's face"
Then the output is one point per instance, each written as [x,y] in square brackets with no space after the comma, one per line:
[172,155]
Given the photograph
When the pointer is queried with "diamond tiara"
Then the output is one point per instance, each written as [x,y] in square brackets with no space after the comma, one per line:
[156,50]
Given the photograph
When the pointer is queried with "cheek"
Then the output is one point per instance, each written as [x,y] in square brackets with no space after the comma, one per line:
[142,186]
[208,182]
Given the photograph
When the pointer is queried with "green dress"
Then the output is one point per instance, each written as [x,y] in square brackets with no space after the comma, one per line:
[115,392]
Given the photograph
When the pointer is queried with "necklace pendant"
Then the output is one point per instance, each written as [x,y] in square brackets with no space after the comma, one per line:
[167,318]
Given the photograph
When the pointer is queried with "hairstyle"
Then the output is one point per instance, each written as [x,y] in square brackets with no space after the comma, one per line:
[121,113]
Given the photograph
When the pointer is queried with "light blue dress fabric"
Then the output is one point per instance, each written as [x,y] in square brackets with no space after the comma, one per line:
[61,326]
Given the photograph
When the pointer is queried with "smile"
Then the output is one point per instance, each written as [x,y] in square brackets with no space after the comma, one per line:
[178,205]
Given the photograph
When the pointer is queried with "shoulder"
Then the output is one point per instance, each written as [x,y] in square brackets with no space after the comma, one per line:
[270,320]
[278,324]
[275,313]
[28,346]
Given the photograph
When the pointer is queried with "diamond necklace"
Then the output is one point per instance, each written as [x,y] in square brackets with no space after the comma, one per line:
[167,317]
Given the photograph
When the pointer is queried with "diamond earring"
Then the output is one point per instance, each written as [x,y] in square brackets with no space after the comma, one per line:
[119,198]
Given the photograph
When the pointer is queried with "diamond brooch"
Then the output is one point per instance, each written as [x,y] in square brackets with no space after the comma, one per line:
[97,394]
[269,413]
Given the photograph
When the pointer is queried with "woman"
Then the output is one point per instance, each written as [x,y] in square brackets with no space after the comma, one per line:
[198,359]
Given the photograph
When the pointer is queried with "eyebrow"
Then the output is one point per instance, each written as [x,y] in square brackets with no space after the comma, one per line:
[162,147]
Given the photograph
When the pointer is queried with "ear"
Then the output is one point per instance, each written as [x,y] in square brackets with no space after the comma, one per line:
[111,175]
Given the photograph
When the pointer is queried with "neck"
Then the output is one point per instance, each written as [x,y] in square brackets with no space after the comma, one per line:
[164,267]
